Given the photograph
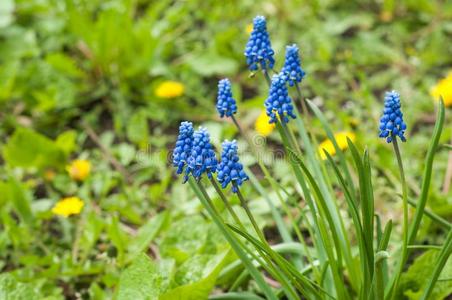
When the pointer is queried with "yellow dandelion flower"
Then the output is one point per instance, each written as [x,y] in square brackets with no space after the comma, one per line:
[170,89]
[79,169]
[262,126]
[249,28]
[341,139]
[444,89]
[68,206]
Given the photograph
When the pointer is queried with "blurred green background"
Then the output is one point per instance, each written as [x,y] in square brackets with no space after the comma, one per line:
[80,79]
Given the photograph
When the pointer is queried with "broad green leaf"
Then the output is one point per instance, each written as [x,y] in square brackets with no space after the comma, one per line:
[184,238]
[117,237]
[8,72]
[146,234]
[29,149]
[15,192]
[144,279]
[64,64]
[67,141]
[211,63]
[412,281]
[199,273]
[96,292]
[6,12]
[11,289]
[91,230]
[138,130]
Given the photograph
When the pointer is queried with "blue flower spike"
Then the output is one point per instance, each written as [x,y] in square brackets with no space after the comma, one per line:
[183,148]
[230,169]
[292,66]
[226,105]
[278,104]
[391,122]
[202,158]
[258,51]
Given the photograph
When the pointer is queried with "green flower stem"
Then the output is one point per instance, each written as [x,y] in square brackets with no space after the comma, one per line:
[283,277]
[286,139]
[226,203]
[235,244]
[267,77]
[317,237]
[279,196]
[307,118]
[250,216]
[277,216]
[304,107]
[268,176]
[268,265]
[298,232]
[405,217]
[294,139]
[285,234]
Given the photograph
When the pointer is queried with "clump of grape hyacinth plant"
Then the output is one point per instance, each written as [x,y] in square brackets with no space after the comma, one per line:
[349,256]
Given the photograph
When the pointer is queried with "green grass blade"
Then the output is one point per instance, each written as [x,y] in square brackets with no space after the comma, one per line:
[325,213]
[307,285]
[282,227]
[381,265]
[333,261]
[383,244]
[330,135]
[363,169]
[434,217]
[427,173]
[368,206]
[257,276]
[349,196]
[325,187]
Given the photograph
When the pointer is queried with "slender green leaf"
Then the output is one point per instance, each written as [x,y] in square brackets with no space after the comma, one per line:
[428,165]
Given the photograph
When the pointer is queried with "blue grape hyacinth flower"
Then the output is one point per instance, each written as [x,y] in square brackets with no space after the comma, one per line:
[230,169]
[278,103]
[226,105]
[292,66]
[183,148]
[258,51]
[202,158]
[391,122]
